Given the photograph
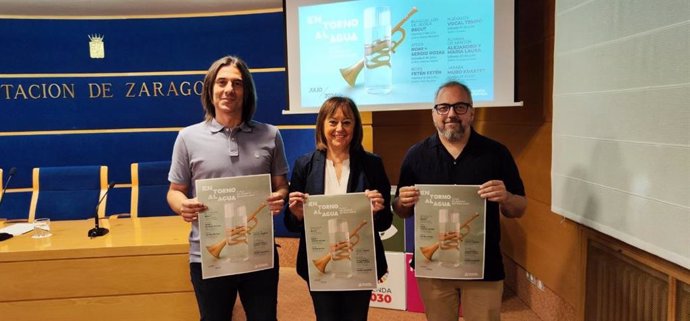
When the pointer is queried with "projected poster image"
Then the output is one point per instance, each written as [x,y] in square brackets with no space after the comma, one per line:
[388,52]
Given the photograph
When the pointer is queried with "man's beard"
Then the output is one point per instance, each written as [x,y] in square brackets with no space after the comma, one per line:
[451,134]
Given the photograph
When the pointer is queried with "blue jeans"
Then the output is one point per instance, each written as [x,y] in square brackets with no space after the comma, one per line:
[258,293]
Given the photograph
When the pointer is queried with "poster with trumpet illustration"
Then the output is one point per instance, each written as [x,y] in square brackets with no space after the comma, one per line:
[236,232]
[450,229]
[340,242]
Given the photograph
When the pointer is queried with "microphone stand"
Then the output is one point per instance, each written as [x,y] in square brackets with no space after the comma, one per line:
[10,174]
[98,230]
[3,235]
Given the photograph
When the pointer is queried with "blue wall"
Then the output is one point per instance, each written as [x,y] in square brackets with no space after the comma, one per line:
[49,83]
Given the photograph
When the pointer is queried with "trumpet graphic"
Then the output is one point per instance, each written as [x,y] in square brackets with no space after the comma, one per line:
[381,51]
[448,240]
[235,234]
[339,250]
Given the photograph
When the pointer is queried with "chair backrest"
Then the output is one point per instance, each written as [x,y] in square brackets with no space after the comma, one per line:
[149,189]
[2,181]
[68,193]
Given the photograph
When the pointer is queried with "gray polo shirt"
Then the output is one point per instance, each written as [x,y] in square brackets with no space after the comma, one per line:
[208,150]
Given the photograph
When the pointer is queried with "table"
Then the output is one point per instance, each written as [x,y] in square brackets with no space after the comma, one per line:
[138,271]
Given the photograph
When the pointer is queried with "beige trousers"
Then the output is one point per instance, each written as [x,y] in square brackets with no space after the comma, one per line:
[481,300]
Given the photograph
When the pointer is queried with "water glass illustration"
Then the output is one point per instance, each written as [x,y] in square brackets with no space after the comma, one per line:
[340,247]
[236,232]
[378,74]
[449,238]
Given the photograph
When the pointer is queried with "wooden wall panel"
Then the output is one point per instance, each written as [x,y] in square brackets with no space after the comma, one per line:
[158,306]
[93,277]
[529,145]
[547,246]
[395,133]
[683,301]
[619,288]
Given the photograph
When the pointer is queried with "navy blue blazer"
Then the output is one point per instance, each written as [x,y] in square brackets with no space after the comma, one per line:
[366,172]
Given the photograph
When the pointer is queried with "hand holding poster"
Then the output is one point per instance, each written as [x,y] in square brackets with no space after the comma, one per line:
[237,229]
[340,242]
[450,228]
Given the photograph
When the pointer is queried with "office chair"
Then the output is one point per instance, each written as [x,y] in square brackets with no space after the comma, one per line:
[149,189]
[68,193]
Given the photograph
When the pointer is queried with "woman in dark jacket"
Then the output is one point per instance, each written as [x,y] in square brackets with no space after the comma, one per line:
[339,165]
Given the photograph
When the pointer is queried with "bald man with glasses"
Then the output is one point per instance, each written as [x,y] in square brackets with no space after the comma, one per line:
[458,155]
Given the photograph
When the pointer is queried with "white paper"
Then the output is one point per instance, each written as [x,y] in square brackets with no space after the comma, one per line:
[18,229]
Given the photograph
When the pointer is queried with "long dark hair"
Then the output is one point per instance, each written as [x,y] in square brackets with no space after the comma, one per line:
[249,97]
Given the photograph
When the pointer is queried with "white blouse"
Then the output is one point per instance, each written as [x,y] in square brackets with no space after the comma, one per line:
[332,184]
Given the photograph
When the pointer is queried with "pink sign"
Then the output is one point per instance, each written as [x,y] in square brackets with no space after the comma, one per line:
[414,301]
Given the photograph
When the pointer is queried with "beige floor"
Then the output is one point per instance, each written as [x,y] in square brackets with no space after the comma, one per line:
[294,304]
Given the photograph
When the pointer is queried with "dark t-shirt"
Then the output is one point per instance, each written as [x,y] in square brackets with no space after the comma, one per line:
[482,159]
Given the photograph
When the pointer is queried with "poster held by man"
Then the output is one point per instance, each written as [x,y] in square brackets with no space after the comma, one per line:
[450,230]
[236,232]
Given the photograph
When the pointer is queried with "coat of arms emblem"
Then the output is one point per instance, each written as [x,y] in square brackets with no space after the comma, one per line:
[96,47]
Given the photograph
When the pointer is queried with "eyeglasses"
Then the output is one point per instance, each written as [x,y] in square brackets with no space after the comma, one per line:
[459,108]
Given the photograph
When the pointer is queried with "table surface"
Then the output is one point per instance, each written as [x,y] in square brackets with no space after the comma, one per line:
[127,237]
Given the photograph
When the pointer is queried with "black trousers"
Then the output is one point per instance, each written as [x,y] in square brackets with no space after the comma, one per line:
[341,305]
[216,296]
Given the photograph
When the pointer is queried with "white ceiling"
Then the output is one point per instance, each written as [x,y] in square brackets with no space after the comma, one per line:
[95,8]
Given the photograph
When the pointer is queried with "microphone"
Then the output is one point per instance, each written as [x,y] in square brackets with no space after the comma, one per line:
[97,230]
[11,173]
